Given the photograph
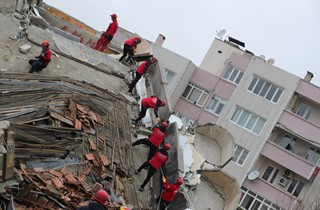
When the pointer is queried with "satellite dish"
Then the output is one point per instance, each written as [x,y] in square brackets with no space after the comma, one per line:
[253,175]
[221,33]
[262,57]
[271,61]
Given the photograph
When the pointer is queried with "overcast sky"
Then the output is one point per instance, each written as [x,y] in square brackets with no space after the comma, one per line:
[286,30]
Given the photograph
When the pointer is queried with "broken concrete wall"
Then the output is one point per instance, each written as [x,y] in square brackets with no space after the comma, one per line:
[157,86]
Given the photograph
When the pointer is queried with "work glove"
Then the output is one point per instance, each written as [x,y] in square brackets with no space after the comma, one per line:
[158,119]
[164,179]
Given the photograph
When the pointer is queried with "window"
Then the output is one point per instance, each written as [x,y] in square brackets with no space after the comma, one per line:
[295,187]
[239,155]
[313,155]
[232,74]
[304,111]
[251,201]
[265,89]
[216,105]
[288,142]
[169,75]
[185,120]
[195,94]
[270,174]
[248,120]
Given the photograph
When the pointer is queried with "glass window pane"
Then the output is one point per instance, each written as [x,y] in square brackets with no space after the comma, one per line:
[212,103]
[258,127]
[277,96]
[265,89]
[267,173]
[243,118]
[186,91]
[236,114]
[308,114]
[236,153]
[239,77]
[292,185]
[271,92]
[195,94]
[227,72]
[316,157]
[234,74]
[219,108]
[251,122]
[298,189]
[258,86]
[256,205]
[203,98]
[243,157]
[246,203]
[252,84]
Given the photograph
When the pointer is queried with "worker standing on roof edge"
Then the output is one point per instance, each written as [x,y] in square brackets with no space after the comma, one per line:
[150,102]
[170,191]
[108,35]
[159,158]
[141,71]
[129,46]
[98,201]
[155,139]
[42,60]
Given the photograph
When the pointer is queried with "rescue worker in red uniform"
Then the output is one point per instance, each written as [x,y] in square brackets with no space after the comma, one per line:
[108,35]
[155,139]
[141,71]
[129,46]
[159,158]
[42,60]
[151,102]
[170,191]
[98,201]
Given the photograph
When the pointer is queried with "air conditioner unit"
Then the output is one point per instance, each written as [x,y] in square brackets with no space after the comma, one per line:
[288,174]
[283,181]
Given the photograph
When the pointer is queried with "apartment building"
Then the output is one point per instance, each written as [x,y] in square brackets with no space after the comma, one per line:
[273,116]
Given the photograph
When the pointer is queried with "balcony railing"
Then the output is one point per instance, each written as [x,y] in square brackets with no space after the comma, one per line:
[287,159]
[268,191]
[300,126]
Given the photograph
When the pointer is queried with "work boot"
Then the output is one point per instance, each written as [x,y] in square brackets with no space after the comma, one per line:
[136,171]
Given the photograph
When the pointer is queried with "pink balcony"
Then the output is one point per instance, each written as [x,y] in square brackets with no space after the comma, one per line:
[300,126]
[309,90]
[271,193]
[289,160]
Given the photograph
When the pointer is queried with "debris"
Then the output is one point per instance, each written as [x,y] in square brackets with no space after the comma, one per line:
[58,67]
[25,48]
[6,57]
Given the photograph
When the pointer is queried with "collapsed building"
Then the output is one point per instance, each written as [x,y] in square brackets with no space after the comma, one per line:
[70,125]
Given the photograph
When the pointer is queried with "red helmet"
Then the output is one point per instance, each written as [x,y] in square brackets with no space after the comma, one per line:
[179,181]
[101,197]
[114,15]
[163,103]
[167,146]
[164,124]
[45,43]
[138,40]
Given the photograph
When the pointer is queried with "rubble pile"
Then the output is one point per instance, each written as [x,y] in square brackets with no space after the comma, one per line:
[71,139]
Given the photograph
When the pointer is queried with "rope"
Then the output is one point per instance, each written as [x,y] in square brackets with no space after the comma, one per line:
[161,190]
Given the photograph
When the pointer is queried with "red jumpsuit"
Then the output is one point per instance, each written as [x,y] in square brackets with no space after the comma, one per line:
[170,191]
[107,36]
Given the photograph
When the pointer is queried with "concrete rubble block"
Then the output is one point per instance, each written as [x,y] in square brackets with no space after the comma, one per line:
[25,48]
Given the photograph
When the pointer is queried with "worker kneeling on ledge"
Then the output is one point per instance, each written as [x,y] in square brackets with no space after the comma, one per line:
[42,60]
